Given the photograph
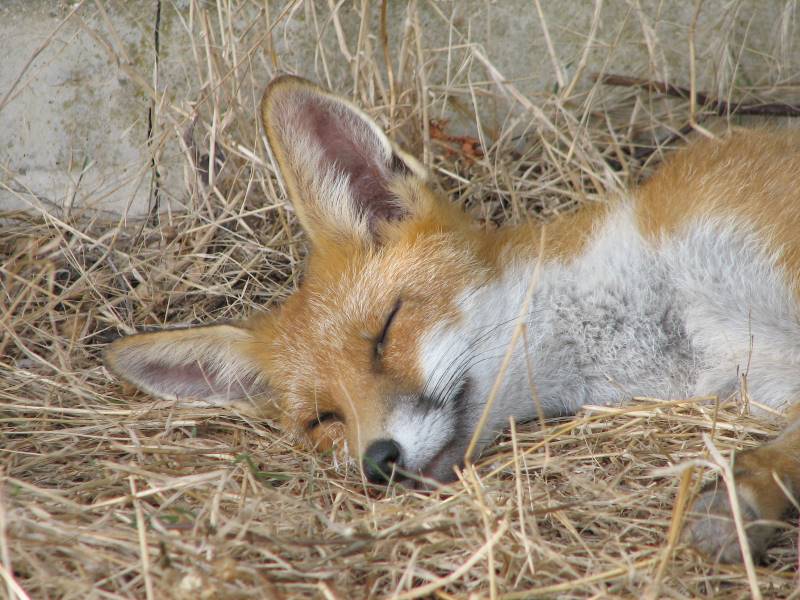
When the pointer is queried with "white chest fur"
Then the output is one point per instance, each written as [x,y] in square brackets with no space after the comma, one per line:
[627,318]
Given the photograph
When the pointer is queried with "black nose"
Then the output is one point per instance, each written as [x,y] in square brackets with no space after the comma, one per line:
[380,460]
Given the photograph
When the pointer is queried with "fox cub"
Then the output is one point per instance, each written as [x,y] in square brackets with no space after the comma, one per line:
[395,339]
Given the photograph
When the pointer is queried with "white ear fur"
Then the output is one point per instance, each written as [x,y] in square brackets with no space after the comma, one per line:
[207,364]
[336,162]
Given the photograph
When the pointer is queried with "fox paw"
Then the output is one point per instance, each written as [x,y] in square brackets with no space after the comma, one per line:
[711,529]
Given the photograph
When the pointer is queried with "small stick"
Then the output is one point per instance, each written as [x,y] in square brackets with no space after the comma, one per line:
[720,107]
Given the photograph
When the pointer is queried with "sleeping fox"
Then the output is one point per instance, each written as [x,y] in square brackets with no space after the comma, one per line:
[394,341]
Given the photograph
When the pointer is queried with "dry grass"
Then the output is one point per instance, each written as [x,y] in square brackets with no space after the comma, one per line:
[106,493]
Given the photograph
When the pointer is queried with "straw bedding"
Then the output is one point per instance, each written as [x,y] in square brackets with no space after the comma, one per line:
[106,493]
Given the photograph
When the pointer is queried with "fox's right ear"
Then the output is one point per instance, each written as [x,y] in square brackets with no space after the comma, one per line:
[206,364]
[336,162]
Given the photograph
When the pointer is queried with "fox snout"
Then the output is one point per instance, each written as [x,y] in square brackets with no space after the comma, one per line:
[385,461]
[422,439]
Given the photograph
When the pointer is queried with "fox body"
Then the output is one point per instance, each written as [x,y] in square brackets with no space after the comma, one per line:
[409,316]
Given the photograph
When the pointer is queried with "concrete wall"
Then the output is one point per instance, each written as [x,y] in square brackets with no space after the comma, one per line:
[91,108]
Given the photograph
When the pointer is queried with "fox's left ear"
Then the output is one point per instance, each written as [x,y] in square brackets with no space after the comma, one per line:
[210,365]
[337,163]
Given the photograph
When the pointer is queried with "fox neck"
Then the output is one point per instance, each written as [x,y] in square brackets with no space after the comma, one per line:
[562,241]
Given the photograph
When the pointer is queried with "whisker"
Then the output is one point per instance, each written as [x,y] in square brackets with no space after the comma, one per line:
[455,371]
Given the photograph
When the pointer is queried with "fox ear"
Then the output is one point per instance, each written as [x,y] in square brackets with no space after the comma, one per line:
[336,162]
[206,364]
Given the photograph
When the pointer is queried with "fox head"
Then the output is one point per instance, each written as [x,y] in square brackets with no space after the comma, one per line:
[391,341]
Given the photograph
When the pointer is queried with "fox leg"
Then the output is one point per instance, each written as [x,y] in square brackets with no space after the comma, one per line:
[762,500]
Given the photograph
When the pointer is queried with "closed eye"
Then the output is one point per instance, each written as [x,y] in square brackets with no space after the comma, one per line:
[323,417]
[380,341]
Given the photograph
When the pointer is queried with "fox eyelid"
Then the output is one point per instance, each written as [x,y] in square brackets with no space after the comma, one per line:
[380,341]
[323,417]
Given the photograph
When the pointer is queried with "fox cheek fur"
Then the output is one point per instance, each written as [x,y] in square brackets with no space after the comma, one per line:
[407,312]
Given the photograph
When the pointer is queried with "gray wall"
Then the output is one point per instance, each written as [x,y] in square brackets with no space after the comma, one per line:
[81,95]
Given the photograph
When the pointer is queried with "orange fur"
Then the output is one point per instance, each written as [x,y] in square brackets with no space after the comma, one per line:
[751,175]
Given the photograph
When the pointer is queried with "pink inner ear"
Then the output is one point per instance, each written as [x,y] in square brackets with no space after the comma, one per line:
[351,146]
[195,381]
